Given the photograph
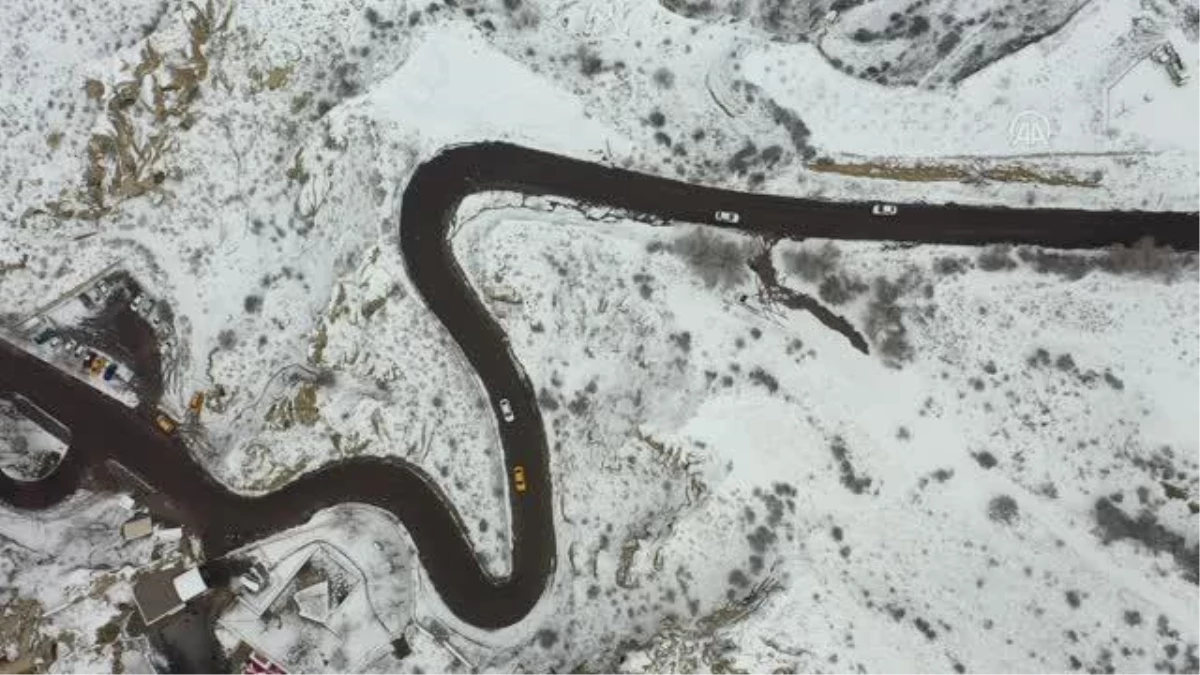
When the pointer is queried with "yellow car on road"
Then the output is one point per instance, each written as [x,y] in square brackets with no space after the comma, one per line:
[519,478]
[165,424]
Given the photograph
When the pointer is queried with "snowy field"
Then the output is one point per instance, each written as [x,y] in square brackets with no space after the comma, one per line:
[1022,474]
[1008,480]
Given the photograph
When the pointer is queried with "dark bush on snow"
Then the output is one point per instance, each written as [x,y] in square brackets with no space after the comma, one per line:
[1146,259]
[1003,509]
[812,265]
[664,78]
[795,127]
[885,321]
[719,260]
[547,638]
[838,289]
[996,257]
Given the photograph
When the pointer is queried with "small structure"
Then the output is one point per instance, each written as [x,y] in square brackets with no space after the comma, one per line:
[160,593]
[155,595]
[137,529]
[189,584]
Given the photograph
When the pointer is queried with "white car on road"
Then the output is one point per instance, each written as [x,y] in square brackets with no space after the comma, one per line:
[883,210]
[506,410]
[727,217]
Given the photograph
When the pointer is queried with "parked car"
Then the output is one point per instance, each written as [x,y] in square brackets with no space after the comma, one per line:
[727,217]
[42,337]
[506,410]
[884,210]
[1168,57]
[196,404]
[519,478]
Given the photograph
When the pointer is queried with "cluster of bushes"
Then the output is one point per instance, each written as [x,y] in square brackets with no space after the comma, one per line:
[719,260]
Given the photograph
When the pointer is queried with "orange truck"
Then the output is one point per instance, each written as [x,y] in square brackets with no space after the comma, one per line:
[164,423]
[196,404]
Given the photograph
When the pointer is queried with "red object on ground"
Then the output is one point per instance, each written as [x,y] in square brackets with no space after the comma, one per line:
[258,665]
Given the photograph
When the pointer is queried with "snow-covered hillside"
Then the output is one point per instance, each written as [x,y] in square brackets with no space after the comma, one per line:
[1015,489]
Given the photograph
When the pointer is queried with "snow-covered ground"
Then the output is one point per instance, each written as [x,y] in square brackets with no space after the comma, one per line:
[246,169]
[65,579]
[1014,494]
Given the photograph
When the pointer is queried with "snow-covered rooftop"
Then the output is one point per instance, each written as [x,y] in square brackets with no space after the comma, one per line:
[189,584]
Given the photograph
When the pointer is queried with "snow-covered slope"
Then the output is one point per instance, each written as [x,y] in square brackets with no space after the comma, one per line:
[738,482]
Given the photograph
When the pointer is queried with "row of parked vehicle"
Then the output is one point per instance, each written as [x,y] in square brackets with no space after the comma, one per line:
[93,363]
[1166,56]
[101,366]
[141,304]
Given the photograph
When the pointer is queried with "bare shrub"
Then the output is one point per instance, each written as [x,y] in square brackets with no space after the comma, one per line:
[719,260]
[838,289]
[813,264]
[1143,259]
[947,265]
[1068,265]
[664,78]
[590,62]
[795,127]
[885,319]
[547,638]
[858,484]
[764,378]
[995,258]
[1146,259]
[1003,509]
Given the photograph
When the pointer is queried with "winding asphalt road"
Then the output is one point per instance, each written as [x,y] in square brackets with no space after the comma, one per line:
[103,430]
